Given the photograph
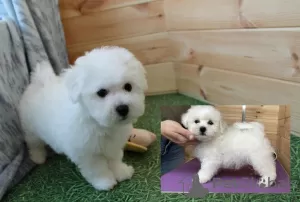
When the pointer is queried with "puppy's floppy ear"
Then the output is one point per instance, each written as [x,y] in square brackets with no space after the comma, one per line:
[74,82]
[184,120]
[222,125]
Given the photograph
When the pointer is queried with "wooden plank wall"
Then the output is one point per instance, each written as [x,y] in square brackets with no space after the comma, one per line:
[237,51]
[283,142]
[225,52]
[138,25]
[275,119]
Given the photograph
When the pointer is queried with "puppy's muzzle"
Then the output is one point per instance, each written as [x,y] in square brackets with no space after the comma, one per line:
[202,130]
[122,110]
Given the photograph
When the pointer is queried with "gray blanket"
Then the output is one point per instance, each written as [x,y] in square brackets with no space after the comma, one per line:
[30,31]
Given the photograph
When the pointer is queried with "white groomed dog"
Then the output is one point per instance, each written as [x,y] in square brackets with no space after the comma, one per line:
[223,146]
[86,113]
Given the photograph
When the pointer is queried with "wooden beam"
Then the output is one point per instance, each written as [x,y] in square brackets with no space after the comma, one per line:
[225,88]
[161,78]
[231,14]
[273,53]
[149,49]
[135,20]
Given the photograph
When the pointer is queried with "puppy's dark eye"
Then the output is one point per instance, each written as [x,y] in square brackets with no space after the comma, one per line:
[197,121]
[128,87]
[102,93]
[210,122]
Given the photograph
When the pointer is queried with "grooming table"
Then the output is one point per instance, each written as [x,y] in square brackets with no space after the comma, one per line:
[244,180]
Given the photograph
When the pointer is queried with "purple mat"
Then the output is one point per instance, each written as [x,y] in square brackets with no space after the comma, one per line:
[227,181]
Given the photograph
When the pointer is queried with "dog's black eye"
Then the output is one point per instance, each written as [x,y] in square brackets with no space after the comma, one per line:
[128,87]
[197,121]
[102,93]
[210,122]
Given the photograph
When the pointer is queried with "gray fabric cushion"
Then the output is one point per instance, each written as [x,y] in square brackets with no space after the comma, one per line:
[32,32]
[13,80]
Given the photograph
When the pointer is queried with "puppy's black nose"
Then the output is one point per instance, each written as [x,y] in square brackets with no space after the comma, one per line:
[122,110]
[202,129]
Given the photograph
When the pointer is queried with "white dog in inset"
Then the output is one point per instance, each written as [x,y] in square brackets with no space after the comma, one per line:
[231,147]
[86,113]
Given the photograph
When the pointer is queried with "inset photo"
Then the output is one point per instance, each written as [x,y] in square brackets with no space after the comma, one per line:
[225,149]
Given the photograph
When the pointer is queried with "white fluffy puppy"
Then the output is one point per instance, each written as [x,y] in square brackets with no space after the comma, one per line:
[86,113]
[229,147]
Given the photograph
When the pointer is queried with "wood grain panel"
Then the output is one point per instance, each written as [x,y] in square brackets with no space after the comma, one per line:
[253,111]
[101,5]
[284,128]
[149,49]
[161,78]
[285,147]
[283,142]
[265,114]
[82,7]
[187,81]
[285,161]
[282,109]
[70,8]
[220,14]
[265,52]
[287,128]
[95,27]
[273,140]
[225,87]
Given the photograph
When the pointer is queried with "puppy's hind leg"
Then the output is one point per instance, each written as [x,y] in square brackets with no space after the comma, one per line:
[36,148]
[266,168]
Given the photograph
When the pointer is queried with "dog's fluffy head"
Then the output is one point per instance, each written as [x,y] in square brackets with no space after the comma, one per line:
[109,83]
[204,121]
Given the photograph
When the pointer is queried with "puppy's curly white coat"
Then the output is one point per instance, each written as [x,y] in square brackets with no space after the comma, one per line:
[232,147]
[67,113]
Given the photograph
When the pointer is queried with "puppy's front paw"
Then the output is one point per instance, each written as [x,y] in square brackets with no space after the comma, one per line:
[104,184]
[203,177]
[122,171]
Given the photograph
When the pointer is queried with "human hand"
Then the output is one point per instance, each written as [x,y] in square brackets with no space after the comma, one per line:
[175,132]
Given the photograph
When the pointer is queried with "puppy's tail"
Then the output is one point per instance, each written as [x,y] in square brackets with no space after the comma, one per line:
[43,73]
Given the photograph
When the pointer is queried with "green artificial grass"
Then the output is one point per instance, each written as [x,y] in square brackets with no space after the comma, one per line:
[59,180]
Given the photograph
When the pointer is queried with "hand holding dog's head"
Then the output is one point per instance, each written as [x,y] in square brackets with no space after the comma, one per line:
[109,83]
[203,121]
